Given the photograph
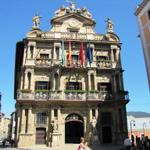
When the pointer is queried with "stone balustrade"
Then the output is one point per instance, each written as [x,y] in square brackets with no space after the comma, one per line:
[47,95]
[75,36]
[43,62]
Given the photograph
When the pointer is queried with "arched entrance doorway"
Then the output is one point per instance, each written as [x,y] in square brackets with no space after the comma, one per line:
[74,128]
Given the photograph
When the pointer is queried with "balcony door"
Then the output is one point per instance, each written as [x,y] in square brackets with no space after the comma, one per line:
[73,86]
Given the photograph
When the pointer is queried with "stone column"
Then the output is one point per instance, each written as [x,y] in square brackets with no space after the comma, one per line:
[18,122]
[26,80]
[30,121]
[59,118]
[21,81]
[23,121]
[90,113]
[32,80]
[48,130]
[83,84]
[52,114]
[25,54]
[95,81]
[114,83]
[52,82]
[89,82]
[96,111]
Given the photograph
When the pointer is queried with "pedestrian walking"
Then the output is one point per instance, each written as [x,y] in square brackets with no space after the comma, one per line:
[83,144]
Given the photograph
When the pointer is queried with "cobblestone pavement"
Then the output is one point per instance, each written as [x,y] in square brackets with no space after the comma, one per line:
[65,147]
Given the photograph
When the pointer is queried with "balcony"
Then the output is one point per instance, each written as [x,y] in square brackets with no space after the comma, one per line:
[43,62]
[72,95]
[104,64]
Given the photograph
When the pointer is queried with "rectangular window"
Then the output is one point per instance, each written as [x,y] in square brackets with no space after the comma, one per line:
[31,51]
[106,118]
[44,56]
[41,118]
[74,60]
[42,85]
[101,58]
[57,53]
[73,86]
[93,113]
[26,118]
[114,54]
[55,113]
[104,87]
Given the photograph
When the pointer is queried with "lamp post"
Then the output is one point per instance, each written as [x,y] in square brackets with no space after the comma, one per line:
[144,127]
[132,122]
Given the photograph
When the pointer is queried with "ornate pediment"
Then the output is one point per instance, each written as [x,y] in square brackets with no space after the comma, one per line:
[74,16]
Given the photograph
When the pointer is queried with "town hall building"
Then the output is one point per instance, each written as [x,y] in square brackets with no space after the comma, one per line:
[69,83]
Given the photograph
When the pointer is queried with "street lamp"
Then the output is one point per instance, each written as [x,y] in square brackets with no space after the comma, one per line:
[144,127]
[132,122]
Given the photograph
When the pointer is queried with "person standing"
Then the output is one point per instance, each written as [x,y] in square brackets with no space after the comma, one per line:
[83,144]
[127,143]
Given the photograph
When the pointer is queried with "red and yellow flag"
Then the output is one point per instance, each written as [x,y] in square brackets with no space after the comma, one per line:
[81,54]
[69,54]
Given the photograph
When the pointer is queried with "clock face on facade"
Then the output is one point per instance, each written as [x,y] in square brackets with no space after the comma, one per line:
[74,23]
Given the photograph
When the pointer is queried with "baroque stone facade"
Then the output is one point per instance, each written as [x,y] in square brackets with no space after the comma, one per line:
[68,83]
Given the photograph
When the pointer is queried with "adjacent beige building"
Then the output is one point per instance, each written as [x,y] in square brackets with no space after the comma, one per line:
[4,126]
[69,83]
[143,18]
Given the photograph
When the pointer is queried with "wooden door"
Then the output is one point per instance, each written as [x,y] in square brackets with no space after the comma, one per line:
[40,136]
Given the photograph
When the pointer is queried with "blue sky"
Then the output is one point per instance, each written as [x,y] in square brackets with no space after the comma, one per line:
[16,21]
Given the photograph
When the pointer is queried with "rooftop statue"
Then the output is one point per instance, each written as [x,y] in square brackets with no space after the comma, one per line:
[36,21]
[110,25]
[71,9]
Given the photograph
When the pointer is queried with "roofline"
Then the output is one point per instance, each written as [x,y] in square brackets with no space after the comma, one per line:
[140,7]
[91,20]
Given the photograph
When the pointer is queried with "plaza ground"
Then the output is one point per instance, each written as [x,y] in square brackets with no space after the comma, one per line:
[65,147]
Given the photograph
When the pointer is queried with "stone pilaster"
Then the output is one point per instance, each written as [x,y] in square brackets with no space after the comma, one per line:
[23,121]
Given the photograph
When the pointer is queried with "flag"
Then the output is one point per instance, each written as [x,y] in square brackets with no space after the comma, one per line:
[81,54]
[69,54]
[89,53]
[62,53]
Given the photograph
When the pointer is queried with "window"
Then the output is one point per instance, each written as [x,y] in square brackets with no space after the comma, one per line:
[104,87]
[106,118]
[57,53]
[114,53]
[26,117]
[41,118]
[29,80]
[74,59]
[74,86]
[100,58]
[31,50]
[73,30]
[44,56]
[42,85]
[93,113]
[55,113]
